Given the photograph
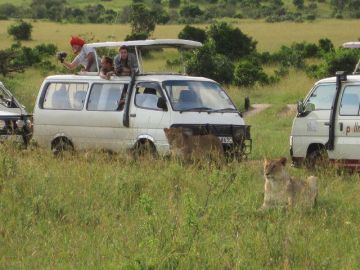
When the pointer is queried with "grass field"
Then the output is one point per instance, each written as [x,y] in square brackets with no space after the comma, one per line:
[95,211]
[269,36]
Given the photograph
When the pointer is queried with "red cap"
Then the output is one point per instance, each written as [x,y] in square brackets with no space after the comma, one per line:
[77,41]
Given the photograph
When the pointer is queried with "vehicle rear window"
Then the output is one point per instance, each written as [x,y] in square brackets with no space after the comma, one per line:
[107,97]
[65,96]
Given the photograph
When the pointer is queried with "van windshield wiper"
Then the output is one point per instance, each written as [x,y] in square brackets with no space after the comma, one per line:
[197,109]
[225,110]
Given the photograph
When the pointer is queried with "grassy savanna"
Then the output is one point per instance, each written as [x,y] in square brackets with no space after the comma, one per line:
[269,36]
[95,211]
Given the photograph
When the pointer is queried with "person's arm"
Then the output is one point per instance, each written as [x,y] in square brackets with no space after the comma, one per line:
[71,65]
[90,60]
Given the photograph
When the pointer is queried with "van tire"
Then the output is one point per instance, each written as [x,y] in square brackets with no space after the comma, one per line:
[145,148]
[316,158]
[61,145]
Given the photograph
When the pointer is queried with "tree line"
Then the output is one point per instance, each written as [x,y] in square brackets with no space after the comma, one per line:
[182,11]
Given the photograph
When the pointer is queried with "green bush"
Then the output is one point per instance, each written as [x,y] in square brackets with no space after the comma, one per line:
[338,60]
[21,30]
[206,62]
[231,41]
[8,10]
[191,11]
[325,45]
[248,73]
[192,33]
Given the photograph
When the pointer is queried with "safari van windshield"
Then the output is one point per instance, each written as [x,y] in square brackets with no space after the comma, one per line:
[198,96]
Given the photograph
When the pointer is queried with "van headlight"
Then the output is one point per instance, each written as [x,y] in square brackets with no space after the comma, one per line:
[28,123]
[239,133]
[20,124]
[2,124]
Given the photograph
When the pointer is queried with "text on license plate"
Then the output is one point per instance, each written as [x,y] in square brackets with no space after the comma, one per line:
[226,139]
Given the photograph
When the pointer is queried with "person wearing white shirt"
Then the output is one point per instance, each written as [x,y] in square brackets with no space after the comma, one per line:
[85,56]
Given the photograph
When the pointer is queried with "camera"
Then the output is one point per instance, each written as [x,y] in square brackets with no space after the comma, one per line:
[61,56]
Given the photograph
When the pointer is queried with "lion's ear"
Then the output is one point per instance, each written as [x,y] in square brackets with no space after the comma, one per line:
[283,161]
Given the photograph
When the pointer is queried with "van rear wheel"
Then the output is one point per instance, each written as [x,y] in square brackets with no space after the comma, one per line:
[61,145]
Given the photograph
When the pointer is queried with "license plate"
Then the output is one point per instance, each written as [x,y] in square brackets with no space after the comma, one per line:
[226,139]
[10,137]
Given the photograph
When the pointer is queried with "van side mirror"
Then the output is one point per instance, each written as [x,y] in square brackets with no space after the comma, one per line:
[300,107]
[161,103]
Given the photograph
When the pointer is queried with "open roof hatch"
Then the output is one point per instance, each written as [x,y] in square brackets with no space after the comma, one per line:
[139,45]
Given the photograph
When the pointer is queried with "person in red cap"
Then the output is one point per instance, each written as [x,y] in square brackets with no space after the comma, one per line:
[85,56]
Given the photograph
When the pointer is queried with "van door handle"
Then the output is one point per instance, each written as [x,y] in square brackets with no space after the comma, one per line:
[327,123]
[132,114]
[341,126]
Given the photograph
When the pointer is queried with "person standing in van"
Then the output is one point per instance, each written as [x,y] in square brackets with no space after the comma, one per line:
[85,56]
[125,62]
[107,68]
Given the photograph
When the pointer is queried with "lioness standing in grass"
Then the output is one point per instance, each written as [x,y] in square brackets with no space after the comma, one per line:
[282,189]
[190,147]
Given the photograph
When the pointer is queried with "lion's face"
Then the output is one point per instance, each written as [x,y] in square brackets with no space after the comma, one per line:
[274,169]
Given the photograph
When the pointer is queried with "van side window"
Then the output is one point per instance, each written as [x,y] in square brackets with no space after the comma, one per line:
[322,97]
[350,100]
[107,97]
[65,96]
[147,96]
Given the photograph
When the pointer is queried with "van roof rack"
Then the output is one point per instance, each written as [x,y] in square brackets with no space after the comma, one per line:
[353,45]
[139,45]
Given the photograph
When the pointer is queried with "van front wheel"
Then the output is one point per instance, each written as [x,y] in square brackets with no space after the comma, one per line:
[317,159]
[144,148]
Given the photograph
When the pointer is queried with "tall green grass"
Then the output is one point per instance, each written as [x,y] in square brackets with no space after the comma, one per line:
[91,210]
[94,211]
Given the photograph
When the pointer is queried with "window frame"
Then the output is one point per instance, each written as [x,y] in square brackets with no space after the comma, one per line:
[342,96]
[315,88]
[46,88]
[158,88]
[106,83]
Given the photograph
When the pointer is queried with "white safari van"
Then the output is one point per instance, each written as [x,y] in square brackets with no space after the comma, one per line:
[327,125]
[87,112]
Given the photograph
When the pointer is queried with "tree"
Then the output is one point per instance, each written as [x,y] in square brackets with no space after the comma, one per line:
[8,10]
[231,41]
[174,3]
[141,19]
[299,4]
[191,11]
[20,31]
[7,64]
[192,33]
[247,73]
[206,62]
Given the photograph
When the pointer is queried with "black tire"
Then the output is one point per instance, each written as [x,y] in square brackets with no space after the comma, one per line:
[145,148]
[317,159]
[61,145]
